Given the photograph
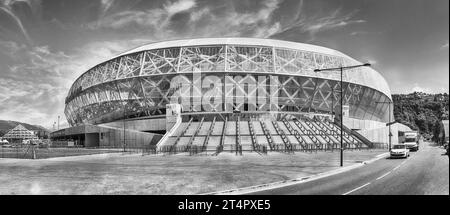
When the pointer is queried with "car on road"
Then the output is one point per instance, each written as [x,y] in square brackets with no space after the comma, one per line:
[399,151]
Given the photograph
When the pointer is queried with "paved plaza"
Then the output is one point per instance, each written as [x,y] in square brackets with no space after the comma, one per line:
[116,173]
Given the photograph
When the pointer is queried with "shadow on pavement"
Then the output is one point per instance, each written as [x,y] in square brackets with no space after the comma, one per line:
[394,158]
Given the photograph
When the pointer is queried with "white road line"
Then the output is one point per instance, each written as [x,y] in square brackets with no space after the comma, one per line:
[383,176]
[351,191]
[398,166]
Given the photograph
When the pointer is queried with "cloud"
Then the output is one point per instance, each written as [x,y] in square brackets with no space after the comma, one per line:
[320,22]
[35,80]
[371,61]
[196,15]
[417,88]
[10,48]
[11,14]
[357,33]
[179,6]
[153,19]
[167,21]
[150,18]
[105,6]
[261,15]
[227,19]
[330,22]
[33,83]
[445,46]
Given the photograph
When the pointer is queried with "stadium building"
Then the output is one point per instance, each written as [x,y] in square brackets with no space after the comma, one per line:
[219,94]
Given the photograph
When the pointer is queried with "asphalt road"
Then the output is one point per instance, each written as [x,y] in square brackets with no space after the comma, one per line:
[424,172]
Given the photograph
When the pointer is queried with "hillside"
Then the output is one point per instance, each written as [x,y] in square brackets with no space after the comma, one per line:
[6,125]
[421,111]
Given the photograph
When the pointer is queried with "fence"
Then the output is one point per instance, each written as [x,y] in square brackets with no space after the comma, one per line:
[380,146]
[28,151]
[262,149]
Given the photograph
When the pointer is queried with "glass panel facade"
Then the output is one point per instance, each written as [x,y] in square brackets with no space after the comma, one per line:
[219,78]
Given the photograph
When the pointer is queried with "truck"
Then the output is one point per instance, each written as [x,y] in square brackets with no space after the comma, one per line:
[410,139]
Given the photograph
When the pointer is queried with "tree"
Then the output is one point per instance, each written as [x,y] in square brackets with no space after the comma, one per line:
[421,111]
[436,130]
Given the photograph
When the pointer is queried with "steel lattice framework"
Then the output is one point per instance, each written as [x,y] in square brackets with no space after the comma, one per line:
[244,77]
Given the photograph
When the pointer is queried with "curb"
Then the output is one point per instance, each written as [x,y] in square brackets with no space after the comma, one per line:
[67,158]
[279,184]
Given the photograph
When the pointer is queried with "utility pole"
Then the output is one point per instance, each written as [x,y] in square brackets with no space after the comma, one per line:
[389,123]
[342,124]
[332,102]
[341,69]
[124,147]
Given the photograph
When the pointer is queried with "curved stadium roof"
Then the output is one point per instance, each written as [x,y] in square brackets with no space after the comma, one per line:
[368,76]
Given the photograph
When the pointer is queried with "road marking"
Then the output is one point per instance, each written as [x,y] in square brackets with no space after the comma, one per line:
[351,191]
[297,181]
[384,154]
[383,176]
[399,166]
[396,167]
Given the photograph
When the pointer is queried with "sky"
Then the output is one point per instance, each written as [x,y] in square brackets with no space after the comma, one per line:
[46,44]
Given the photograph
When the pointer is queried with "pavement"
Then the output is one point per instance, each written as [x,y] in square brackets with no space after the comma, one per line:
[291,182]
[69,158]
[118,173]
[425,172]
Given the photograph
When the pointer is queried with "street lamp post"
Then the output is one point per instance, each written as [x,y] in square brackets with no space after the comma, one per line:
[389,123]
[341,69]
[124,143]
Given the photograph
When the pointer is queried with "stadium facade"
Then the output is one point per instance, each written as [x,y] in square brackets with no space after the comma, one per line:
[236,91]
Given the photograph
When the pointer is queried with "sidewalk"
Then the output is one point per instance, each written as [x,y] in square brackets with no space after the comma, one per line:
[137,174]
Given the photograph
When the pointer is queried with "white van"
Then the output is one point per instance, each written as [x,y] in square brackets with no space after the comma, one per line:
[410,139]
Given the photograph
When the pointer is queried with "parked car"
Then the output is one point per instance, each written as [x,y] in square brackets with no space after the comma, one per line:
[399,150]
